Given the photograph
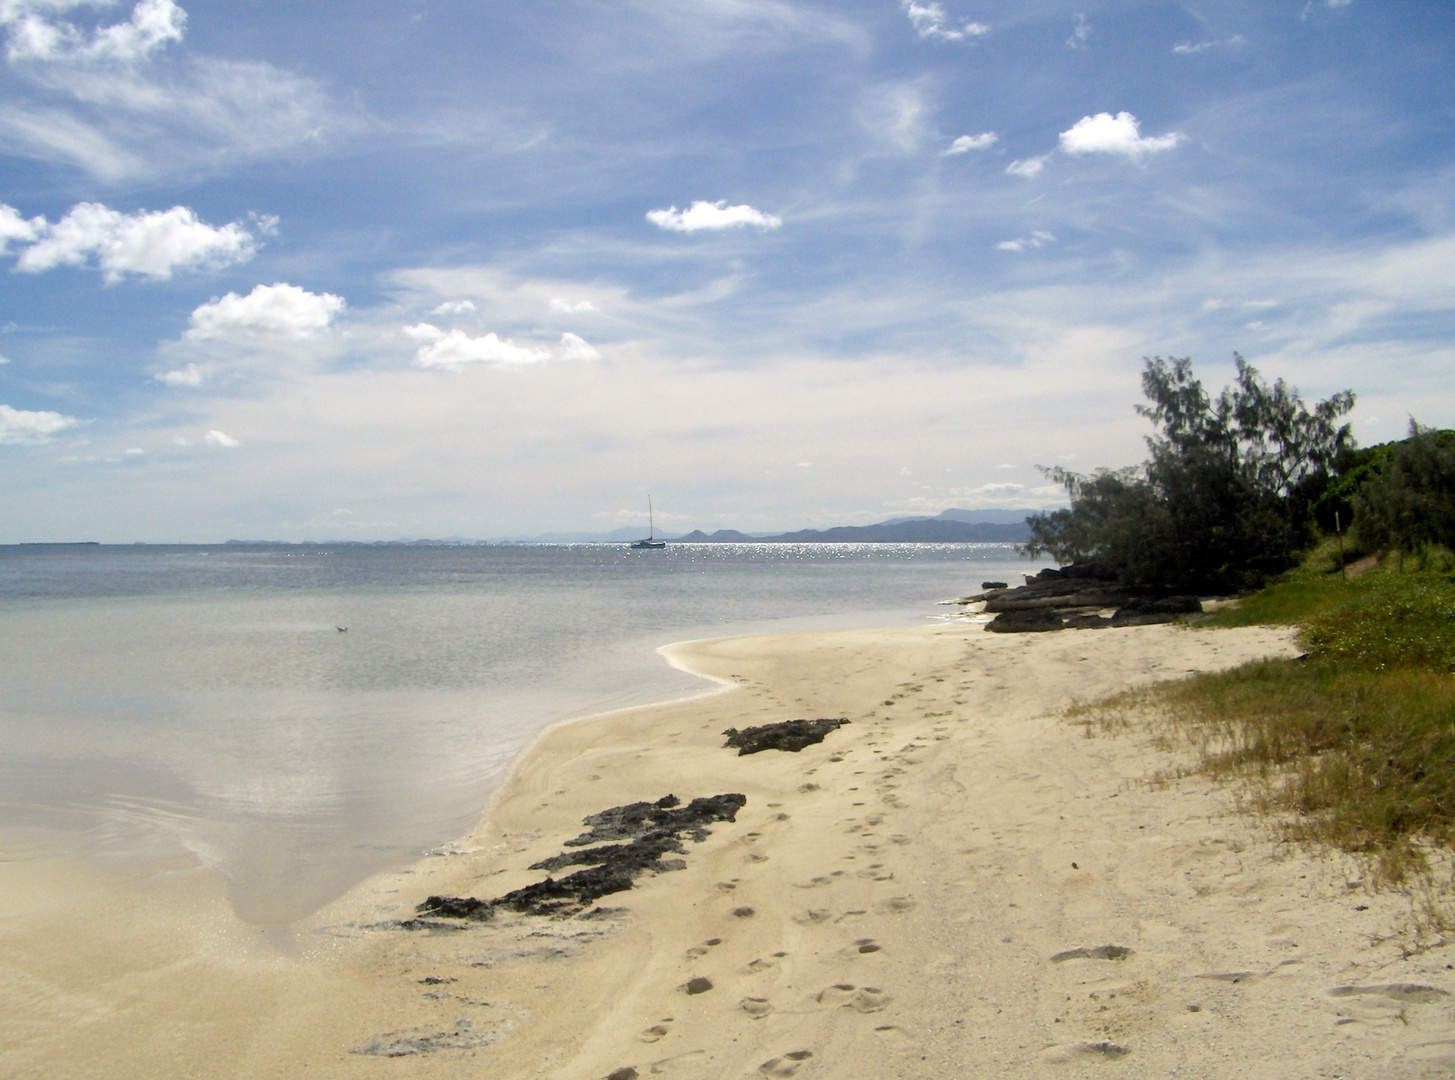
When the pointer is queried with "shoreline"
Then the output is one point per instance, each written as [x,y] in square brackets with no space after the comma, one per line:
[920,884]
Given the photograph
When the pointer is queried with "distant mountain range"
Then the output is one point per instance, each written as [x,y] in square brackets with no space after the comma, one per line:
[948,527]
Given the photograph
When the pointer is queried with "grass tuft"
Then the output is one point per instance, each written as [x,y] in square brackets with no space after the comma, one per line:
[1354,743]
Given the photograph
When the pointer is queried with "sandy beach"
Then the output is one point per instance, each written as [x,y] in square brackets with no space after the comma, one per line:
[957,882]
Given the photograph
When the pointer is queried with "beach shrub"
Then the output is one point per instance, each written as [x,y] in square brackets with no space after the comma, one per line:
[1225,500]
[1407,501]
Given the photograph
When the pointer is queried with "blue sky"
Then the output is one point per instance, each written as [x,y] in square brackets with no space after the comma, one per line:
[421,268]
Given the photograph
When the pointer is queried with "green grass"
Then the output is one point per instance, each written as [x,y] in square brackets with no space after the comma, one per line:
[1354,744]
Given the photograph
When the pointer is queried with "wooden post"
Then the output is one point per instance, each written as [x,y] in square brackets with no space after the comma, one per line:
[1339,532]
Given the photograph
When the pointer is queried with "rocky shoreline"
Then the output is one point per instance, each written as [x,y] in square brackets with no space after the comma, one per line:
[1076,597]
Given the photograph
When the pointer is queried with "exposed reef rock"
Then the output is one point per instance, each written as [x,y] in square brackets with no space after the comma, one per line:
[790,735]
[1074,597]
[651,830]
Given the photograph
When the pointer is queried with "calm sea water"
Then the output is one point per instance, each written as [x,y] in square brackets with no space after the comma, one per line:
[158,702]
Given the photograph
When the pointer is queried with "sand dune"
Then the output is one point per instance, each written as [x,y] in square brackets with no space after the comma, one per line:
[957,882]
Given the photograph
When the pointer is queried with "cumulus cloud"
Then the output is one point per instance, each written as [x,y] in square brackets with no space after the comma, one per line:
[16,229]
[279,309]
[713,216]
[562,306]
[187,376]
[19,426]
[34,37]
[221,438]
[1119,134]
[454,307]
[456,348]
[965,143]
[1037,239]
[930,21]
[1027,167]
[576,348]
[149,244]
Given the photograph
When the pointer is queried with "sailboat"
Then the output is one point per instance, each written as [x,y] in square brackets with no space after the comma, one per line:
[651,541]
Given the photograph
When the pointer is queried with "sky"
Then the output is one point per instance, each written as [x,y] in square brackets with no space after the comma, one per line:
[421,268]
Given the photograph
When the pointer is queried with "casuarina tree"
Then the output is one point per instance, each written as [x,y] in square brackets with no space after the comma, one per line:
[1224,499]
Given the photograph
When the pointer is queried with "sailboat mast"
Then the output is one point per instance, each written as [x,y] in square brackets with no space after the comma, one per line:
[651,523]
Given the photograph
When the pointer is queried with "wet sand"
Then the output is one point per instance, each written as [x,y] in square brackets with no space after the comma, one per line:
[958,882]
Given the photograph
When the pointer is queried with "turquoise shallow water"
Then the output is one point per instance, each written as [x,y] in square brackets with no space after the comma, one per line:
[200,701]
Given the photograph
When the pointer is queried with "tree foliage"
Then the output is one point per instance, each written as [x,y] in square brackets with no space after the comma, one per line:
[1408,499]
[1223,502]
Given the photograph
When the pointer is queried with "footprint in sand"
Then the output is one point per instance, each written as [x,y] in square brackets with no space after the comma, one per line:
[757,1008]
[764,964]
[813,883]
[786,1065]
[896,905]
[866,945]
[864,999]
[757,857]
[653,1033]
[743,912]
[1099,952]
[1072,1052]
[813,916]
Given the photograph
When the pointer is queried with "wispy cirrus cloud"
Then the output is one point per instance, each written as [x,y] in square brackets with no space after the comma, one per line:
[152,244]
[712,217]
[931,21]
[96,98]
[1037,239]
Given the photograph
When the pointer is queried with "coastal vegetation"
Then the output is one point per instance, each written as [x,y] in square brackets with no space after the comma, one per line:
[1352,744]
[1226,499]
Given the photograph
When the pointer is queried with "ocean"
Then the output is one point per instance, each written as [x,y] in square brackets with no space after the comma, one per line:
[200,706]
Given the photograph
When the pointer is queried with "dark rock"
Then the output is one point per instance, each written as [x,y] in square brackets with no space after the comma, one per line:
[1032,621]
[994,585]
[626,1072]
[456,907]
[698,985]
[790,735]
[651,831]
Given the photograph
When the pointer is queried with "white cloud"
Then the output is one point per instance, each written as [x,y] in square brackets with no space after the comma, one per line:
[1079,33]
[94,98]
[1027,167]
[563,306]
[187,376]
[149,244]
[278,309]
[1188,48]
[452,349]
[711,215]
[930,21]
[576,348]
[14,228]
[454,307]
[20,426]
[33,37]
[133,451]
[965,143]
[1119,134]
[4,360]
[221,438]
[1037,239]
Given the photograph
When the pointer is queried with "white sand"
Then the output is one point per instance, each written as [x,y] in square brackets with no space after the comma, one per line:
[911,881]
